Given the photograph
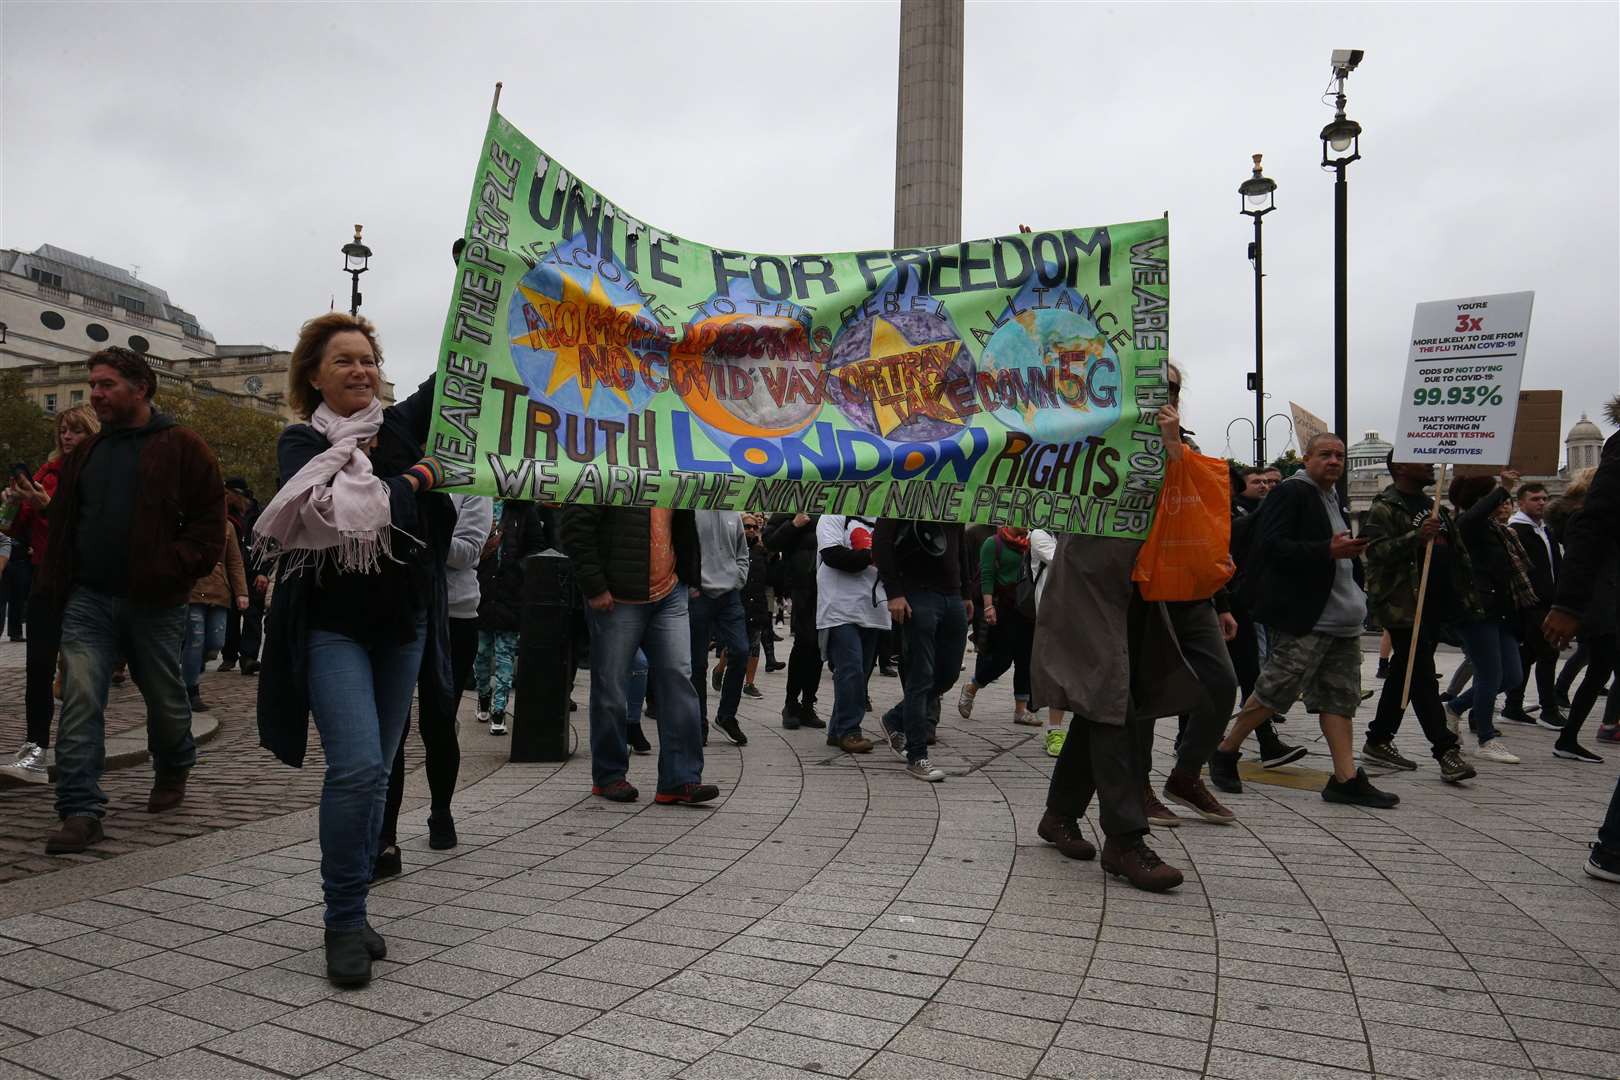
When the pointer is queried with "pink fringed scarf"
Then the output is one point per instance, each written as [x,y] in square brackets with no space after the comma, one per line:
[334,508]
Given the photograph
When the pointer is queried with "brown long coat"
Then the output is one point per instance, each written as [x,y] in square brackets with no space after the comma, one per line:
[1098,645]
[227,580]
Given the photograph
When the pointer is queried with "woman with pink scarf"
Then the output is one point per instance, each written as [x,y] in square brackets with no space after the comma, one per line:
[358,604]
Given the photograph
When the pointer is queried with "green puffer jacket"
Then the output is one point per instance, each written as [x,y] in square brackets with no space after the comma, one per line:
[1395,562]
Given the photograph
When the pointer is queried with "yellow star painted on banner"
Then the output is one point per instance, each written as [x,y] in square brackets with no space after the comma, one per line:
[888,342]
[568,328]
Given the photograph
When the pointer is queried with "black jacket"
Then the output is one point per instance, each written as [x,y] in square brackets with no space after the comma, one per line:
[609,546]
[755,605]
[283,706]
[1592,549]
[500,573]
[1493,567]
[1543,567]
[1290,575]
[798,547]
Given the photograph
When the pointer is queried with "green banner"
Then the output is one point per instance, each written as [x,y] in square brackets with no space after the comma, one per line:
[590,357]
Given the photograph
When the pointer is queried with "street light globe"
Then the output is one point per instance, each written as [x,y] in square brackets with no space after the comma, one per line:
[1258,191]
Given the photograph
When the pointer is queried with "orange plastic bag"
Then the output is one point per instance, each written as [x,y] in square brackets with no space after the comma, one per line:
[1187,555]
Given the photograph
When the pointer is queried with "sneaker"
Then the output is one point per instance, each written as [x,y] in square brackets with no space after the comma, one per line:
[1139,864]
[1454,720]
[750,690]
[483,708]
[1274,753]
[1496,750]
[770,667]
[76,833]
[1453,769]
[1551,719]
[728,726]
[31,757]
[387,864]
[1563,701]
[1158,813]
[1384,753]
[497,723]
[1608,733]
[250,667]
[790,717]
[225,665]
[1383,667]
[1223,771]
[1054,741]
[964,701]
[688,793]
[1575,752]
[1517,714]
[619,791]
[923,769]
[1189,791]
[809,719]
[1027,718]
[1358,791]
[1603,864]
[638,740]
[718,678]
[855,743]
[896,738]
[1064,834]
[888,671]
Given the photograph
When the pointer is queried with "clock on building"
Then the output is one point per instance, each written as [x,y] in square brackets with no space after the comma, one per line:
[253,384]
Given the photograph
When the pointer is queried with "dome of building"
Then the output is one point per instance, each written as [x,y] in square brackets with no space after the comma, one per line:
[1370,451]
[1583,445]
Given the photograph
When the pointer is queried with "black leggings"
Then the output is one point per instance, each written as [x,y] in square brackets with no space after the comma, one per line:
[44,642]
[1602,652]
[438,736]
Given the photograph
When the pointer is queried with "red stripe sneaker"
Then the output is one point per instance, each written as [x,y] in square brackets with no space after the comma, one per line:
[688,793]
[618,791]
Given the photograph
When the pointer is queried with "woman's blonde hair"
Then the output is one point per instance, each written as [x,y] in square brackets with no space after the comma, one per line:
[1580,484]
[81,418]
[306,355]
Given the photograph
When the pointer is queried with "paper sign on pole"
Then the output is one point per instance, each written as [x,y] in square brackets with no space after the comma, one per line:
[1461,393]
[1307,425]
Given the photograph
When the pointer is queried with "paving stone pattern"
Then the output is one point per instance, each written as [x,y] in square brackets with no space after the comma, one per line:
[831,916]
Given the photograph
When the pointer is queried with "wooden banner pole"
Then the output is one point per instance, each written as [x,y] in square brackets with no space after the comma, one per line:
[1423,592]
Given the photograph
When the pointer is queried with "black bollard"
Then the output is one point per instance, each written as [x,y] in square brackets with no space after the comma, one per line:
[545,653]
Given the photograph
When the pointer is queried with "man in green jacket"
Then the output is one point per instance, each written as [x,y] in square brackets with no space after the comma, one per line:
[1399,527]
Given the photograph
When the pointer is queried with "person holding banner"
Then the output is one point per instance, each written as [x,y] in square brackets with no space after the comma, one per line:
[638,569]
[1401,525]
[359,605]
[851,611]
[794,536]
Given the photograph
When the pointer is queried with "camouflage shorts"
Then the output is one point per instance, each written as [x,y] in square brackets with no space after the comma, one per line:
[1324,670]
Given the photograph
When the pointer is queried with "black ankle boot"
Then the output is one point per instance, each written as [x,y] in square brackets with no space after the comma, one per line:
[348,960]
[375,945]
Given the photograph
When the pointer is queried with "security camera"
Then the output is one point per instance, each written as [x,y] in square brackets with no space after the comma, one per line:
[1346,60]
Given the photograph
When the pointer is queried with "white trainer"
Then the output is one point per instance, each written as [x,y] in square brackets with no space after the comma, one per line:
[30,756]
[1496,750]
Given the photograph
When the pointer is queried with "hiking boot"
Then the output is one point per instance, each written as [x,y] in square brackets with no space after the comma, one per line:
[75,834]
[441,832]
[1223,771]
[1064,834]
[923,769]
[1054,741]
[348,961]
[1496,750]
[1574,751]
[1138,864]
[855,743]
[1384,753]
[168,792]
[728,726]
[1274,753]
[688,793]
[1158,813]
[497,723]
[638,740]
[194,695]
[809,719]
[387,864]
[750,690]
[1453,769]
[620,790]
[1358,791]
[1603,864]
[1189,791]
[790,717]
[895,737]
[375,945]
[964,701]
[1552,720]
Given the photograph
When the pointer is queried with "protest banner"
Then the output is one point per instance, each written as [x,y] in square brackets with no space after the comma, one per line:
[589,357]
[1461,392]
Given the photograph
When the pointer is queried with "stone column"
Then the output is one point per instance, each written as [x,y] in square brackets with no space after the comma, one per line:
[928,134]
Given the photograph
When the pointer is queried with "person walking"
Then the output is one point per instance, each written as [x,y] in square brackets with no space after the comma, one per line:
[794,537]
[357,539]
[1313,606]
[1002,561]
[1546,555]
[518,532]
[33,496]
[851,610]
[716,614]
[222,589]
[1400,528]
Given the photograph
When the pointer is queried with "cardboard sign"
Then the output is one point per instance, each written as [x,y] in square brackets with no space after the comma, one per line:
[1537,436]
[1307,425]
[1460,397]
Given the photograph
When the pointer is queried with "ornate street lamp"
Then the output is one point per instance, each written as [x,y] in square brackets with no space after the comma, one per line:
[1341,144]
[1259,194]
[356,260]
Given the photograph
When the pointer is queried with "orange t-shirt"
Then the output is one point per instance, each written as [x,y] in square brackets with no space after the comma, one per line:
[661,556]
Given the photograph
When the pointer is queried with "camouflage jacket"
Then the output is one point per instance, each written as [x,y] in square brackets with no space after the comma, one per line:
[1394,562]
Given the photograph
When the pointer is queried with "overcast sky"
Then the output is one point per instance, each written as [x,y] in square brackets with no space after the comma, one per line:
[228,149]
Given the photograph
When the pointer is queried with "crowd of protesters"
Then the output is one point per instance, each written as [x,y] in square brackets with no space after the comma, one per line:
[360,587]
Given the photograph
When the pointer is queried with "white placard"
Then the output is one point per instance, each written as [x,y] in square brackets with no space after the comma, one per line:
[1461,393]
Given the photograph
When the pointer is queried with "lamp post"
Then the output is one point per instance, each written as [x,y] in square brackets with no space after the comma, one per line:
[1341,144]
[1259,194]
[356,257]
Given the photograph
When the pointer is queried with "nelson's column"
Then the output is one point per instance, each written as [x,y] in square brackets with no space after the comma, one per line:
[928,134]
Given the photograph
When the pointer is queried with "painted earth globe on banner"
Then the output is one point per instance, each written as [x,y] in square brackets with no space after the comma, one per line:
[891,372]
[1083,366]
[578,338]
[746,375]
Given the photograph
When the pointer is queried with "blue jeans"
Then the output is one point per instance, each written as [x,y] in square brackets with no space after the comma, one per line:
[849,649]
[635,691]
[661,631]
[1493,648]
[932,642]
[205,631]
[96,630]
[361,698]
[722,618]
